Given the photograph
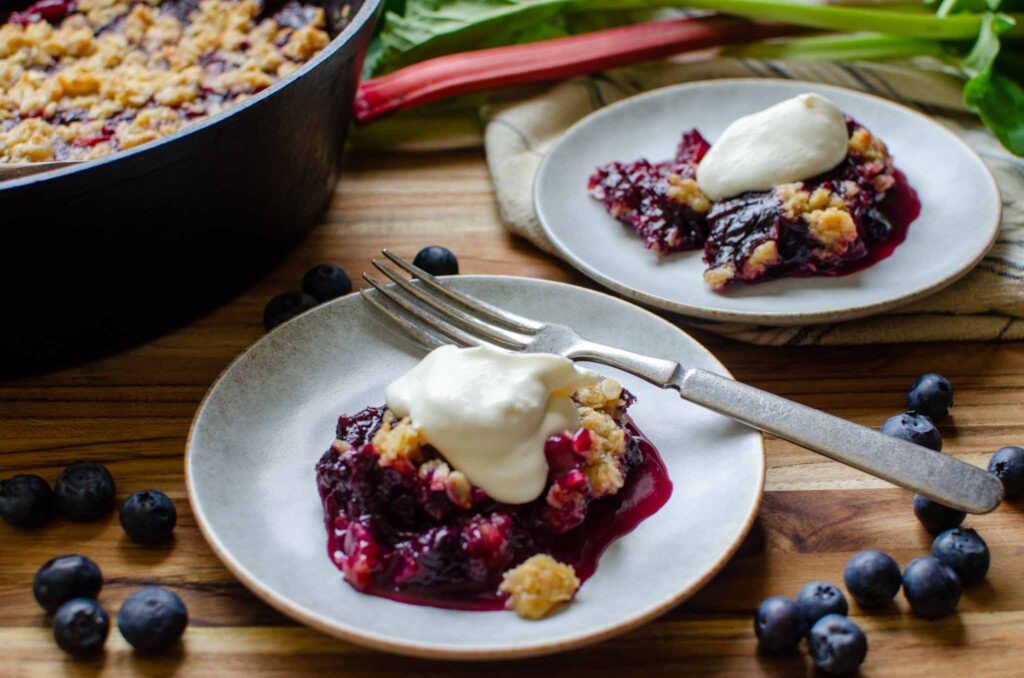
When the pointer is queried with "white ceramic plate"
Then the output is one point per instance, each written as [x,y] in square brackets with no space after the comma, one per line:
[960,206]
[266,421]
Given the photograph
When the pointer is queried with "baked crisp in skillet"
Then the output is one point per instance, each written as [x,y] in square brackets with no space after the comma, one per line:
[80,79]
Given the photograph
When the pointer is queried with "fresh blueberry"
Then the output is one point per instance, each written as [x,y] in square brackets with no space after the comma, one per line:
[80,627]
[820,598]
[152,619]
[85,490]
[931,395]
[1008,465]
[66,577]
[325,282]
[931,588]
[936,517]
[837,645]
[285,307]
[915,428]
[779,624]
[965,551]
[26,501]
[437,260]
[872,578]
[148,517]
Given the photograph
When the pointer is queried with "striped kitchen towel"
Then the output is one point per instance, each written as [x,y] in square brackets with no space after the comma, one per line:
[986,305]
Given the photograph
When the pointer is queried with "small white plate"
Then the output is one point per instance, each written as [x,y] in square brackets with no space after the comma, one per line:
[960,206]
[254,443]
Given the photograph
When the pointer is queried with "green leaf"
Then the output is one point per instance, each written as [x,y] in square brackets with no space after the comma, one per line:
[1000,103]
[432,28]
[996,98]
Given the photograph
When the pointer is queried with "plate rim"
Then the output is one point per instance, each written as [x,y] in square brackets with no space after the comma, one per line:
[428,651]
[772,318]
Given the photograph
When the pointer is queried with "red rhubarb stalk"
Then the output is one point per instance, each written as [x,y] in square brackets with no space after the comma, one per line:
[555,59]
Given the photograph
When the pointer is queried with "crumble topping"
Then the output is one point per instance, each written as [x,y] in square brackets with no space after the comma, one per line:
[718,277]
[113,74]
[834,228]
[825,212]
[764,255]
[607,445]
[688,192]
[605,395]
[538,586]
[399,442]
[868,146]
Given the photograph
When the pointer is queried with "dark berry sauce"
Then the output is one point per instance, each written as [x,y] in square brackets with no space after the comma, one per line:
[396,534]
[902,207]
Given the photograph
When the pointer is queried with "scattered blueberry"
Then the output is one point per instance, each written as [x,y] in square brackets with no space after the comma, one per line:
[837,645]
[26,501]
[85,490]
[965,552]
[285,307]
[931,588]
[152,619]
[779,624]
[1008,465]
[915,428]
[437,260]
[931,395]
[66,577]
[326,282]
[80,627]
[936,517]
[872,578]
[818,599]
[148,517]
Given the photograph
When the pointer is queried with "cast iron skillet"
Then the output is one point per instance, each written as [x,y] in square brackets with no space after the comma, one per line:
[102,254]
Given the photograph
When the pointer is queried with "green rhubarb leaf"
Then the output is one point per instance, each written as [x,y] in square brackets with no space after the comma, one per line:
[990,92]
[430,28]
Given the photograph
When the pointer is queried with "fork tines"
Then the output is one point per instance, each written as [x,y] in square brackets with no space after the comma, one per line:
[434,314]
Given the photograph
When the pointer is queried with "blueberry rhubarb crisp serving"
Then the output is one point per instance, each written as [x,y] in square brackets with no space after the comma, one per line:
[489,480]
[797,189]
[80,79]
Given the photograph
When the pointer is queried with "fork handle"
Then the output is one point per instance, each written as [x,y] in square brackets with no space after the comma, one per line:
[937,476]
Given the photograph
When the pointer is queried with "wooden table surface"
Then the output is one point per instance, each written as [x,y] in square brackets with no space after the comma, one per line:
[132,412]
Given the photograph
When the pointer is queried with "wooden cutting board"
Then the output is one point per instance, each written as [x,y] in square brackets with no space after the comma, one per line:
[132,412]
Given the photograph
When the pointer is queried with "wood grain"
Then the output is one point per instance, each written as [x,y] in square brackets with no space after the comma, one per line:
[132,411]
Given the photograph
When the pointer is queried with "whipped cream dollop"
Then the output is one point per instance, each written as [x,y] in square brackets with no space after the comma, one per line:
[795,139]
[489,412]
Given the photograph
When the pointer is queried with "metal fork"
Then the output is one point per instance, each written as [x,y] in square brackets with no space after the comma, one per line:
[435,314]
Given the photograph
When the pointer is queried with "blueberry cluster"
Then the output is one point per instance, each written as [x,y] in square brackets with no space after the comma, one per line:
[67,586]
[932,584]
[151,620]
[327,281]
[85,490]
[836,644]
[930,398]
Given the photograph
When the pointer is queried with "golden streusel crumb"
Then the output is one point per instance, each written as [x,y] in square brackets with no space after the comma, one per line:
[796,201]
[687,192]
[867,145]
[833,227]
[396,442]
[718,277]
[538,586]
[763,256]
[605,395]
[607,445]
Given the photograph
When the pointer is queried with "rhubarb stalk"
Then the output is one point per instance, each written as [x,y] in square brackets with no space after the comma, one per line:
[556,59]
